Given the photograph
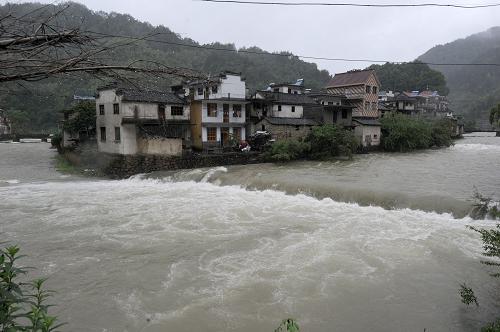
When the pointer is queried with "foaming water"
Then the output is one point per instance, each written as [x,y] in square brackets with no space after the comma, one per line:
[440,181]
[344,246]
[154,255]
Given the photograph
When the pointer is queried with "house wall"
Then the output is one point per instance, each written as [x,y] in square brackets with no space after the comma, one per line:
[328,118]
[230,87]
[160,146]
[283,132]
[361,132]
[196,128]
[286,111]
[220,112]
[284,89]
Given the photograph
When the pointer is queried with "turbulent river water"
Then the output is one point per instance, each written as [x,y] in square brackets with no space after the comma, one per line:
[378,243]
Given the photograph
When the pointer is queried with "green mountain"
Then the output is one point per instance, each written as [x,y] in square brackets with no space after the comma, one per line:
[474,90]
[409,77]
[40,101]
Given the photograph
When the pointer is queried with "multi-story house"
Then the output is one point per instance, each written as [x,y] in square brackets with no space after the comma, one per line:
[217,110]
[285,110]
[361,89]
[132,121]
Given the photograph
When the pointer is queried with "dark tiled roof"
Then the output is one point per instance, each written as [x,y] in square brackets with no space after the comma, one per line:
[149,96]
[292,121]
[351,78]
[367,122]
[287,98]
[404,97]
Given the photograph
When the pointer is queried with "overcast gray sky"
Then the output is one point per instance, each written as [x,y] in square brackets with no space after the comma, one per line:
[396,34]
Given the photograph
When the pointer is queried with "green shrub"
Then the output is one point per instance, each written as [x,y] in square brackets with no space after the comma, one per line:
[288,150]
[331,141]
[401,133]
[441,133]
[22,305]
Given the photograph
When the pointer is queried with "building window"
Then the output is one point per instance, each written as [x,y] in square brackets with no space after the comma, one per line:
[200,91]
[375,136]
[330,103]
[176,110]
[103,134]
[214,88]
[295,93]
[374,89]
[116,109]
[279,108]
[263,127]
[117,134]
[344,114]
[225,107]
[101,109]
[297,127]
[368,89]
[289,90]
[276,90]
[212,110]
[211,134]
[293,109]
[236,111]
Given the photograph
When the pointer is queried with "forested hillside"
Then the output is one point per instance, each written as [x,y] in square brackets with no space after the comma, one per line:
[409,77]
[39,102]
[474,90]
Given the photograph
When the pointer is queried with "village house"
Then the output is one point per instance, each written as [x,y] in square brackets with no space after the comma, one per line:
[5,128]
[334,109]
[134,121]
[285,111]
[361,88]
[217,110]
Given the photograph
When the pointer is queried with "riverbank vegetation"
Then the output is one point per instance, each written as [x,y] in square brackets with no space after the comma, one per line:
[401,133]
[23,305]
[323,142]
[485,207]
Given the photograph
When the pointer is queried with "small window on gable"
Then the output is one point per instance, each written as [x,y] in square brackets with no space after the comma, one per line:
[293,109]
[101,109]
[116,109]
[214,89]
[200,91]
[177,110]
[289,90]
[279,108]
[368,89]
[374,90]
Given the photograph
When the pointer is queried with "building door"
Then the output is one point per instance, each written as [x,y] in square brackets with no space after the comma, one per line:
[335,115]
[225,117]
[225,136]
[161,112]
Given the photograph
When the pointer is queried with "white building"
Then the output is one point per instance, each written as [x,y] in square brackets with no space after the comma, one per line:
[131,121]
[218,110]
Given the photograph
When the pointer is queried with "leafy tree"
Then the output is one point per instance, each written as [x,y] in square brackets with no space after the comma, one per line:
[402,133]
[82,118]
[288,325]
[19,121]
[23,306]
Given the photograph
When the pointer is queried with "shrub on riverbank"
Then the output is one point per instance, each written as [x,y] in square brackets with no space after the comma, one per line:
[401,133]
[331,141]
[323,142]
[288,150]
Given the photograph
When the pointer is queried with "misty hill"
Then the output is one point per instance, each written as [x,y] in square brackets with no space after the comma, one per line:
[39,102]
[474,90]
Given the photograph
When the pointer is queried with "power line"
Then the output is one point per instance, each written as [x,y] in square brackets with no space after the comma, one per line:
[340,4]
[220,49]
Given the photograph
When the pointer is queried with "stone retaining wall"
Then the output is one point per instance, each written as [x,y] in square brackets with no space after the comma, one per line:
[123,166]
